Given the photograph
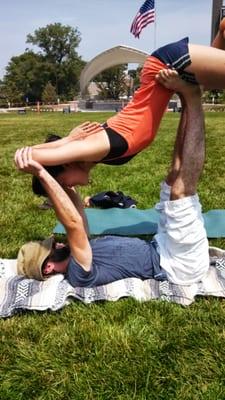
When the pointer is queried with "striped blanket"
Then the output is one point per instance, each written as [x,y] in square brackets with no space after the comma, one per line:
[19,293]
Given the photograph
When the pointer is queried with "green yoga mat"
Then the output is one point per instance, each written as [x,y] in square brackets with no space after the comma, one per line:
[132,222]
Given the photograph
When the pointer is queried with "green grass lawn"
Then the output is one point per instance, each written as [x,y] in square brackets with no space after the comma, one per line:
[124,350]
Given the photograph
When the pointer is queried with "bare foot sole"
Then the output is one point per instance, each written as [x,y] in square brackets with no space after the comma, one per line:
[168,78]
[171,80]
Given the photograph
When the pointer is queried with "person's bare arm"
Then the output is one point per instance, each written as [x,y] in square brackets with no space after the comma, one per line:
[78,203]
[51,145]
[93,148]
[64,208]
[84,130]
[79,132]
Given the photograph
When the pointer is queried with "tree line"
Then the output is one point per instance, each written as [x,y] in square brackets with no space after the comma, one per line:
[52,73]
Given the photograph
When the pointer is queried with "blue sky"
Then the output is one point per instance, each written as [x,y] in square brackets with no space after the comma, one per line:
[102,23]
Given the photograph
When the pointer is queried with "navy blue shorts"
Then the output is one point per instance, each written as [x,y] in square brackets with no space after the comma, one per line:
[176,55]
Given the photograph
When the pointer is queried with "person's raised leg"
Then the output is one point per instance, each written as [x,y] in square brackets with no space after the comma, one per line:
[170,79]
[182,241]
[190,96]
[192,146]
[189,149]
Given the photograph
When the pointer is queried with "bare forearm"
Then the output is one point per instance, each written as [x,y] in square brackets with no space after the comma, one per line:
[51,155]
[63,206]
[52,145]
[78,203]
[93,148]
[80,132]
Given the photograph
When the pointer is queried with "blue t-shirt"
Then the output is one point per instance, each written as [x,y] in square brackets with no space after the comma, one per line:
[114,258]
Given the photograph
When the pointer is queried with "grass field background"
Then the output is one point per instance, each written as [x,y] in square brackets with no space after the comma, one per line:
[124,350]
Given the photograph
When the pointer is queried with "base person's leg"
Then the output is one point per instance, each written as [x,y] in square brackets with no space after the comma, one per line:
[183,243]
[165,186]
[173,82]
[193,148]
[189,149]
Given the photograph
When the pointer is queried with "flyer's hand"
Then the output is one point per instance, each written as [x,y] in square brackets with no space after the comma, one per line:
[84,130]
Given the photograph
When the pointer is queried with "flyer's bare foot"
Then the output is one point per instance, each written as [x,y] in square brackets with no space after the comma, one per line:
[171,80]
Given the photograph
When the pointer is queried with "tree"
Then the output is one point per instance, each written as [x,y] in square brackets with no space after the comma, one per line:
[3,95]
[112,82]
[57,62]
[68,75]
[49,95]
[57,42]
[26,75]
[58,45]
[214,96]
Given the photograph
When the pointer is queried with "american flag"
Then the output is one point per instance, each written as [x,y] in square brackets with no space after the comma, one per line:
[145,16]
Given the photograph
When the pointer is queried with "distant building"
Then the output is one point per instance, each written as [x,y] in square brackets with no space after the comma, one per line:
[93,90]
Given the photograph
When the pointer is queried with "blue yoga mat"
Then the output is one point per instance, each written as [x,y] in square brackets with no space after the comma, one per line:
[132,222]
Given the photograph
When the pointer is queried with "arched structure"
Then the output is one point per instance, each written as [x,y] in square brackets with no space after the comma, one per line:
[109,58]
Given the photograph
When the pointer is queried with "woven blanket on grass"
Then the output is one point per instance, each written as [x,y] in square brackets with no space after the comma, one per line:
[131,221]
[18,293]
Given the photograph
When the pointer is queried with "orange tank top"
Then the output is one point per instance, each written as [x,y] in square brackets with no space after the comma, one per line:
[139,121]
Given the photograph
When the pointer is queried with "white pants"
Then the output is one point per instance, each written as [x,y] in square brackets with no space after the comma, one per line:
[181,238]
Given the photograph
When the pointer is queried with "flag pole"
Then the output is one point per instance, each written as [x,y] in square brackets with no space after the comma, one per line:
[155,26]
